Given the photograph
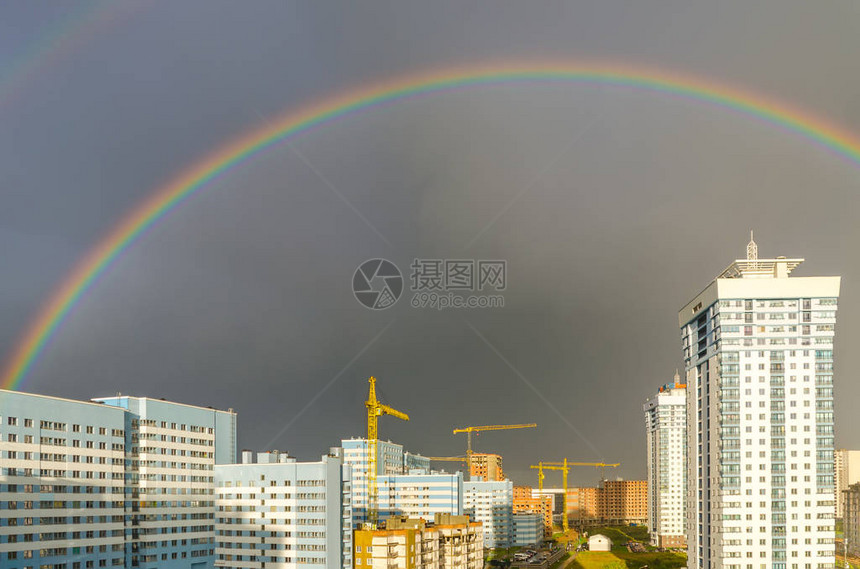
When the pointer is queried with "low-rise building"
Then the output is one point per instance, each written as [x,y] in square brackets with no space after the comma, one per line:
[599,542]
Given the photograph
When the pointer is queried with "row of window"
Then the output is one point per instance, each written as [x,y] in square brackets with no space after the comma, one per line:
[63,427]
[164,425]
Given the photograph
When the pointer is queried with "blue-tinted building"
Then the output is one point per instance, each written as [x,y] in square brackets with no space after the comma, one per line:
[527,529]
[116,482]
[62,483]
[420,495]
[284,513]
[492,504]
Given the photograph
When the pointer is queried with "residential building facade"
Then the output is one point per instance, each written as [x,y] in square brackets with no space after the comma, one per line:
[758,351]
[623,502]
[851,518]
[526,501]
[461,542]
[847,472]
[62,483]
[391,460]
[448,542]
[119,481]
[666,444]
[583,506]
[283,513]
[491,503]
[486,467]
[527,529]
[420,495]
[169,480]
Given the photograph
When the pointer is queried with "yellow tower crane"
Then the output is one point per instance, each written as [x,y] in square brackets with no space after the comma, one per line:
[375,409]
[565,467]
[470,430]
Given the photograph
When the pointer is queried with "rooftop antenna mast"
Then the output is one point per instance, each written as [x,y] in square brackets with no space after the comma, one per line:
[752,251]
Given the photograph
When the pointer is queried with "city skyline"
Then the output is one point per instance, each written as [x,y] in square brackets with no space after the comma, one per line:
[585,480]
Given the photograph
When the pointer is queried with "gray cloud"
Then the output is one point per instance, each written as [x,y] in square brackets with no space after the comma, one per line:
[241,298]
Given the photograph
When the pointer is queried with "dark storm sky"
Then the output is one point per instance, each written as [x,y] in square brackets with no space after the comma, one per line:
[612,207]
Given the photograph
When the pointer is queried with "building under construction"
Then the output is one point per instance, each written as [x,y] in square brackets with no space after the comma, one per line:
[614,502]
[448,542]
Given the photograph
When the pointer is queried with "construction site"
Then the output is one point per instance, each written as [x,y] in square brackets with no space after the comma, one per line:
[397,498]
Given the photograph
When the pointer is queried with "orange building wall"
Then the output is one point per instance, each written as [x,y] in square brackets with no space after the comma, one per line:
[487,466]
[526,502]
[623,501]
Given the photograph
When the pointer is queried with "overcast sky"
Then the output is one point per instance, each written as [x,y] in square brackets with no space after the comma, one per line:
[612,207]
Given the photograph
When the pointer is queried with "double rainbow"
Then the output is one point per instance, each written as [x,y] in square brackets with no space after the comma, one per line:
[195,178]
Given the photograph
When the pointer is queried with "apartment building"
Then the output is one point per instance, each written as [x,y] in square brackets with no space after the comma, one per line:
[486,467]
[448,542]
[420,495]
[623,502]
[461,542]
[666,444]
[851,518]
[277,512]
[399,543]
[491,503]
[758,351]
[170,482]
[583,506]
[62,483]
[415,463]
[119,481]
[391,460]
[527,529]
[526,501]
[847,472]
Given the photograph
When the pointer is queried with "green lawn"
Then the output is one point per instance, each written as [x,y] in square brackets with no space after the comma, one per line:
[622,534]
[627,560]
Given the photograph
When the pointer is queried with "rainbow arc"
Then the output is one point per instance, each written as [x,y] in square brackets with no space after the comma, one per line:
[197,176]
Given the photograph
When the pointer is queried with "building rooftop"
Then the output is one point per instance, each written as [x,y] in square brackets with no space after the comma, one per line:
[116,399]
[780,267]
[753,267]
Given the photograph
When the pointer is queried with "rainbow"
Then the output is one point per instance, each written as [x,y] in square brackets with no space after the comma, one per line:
[194,179]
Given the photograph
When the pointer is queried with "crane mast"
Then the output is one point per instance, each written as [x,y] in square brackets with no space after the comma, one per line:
[375,409]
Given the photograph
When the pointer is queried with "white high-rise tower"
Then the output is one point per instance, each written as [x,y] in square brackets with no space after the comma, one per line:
[758,349]
[666,438]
